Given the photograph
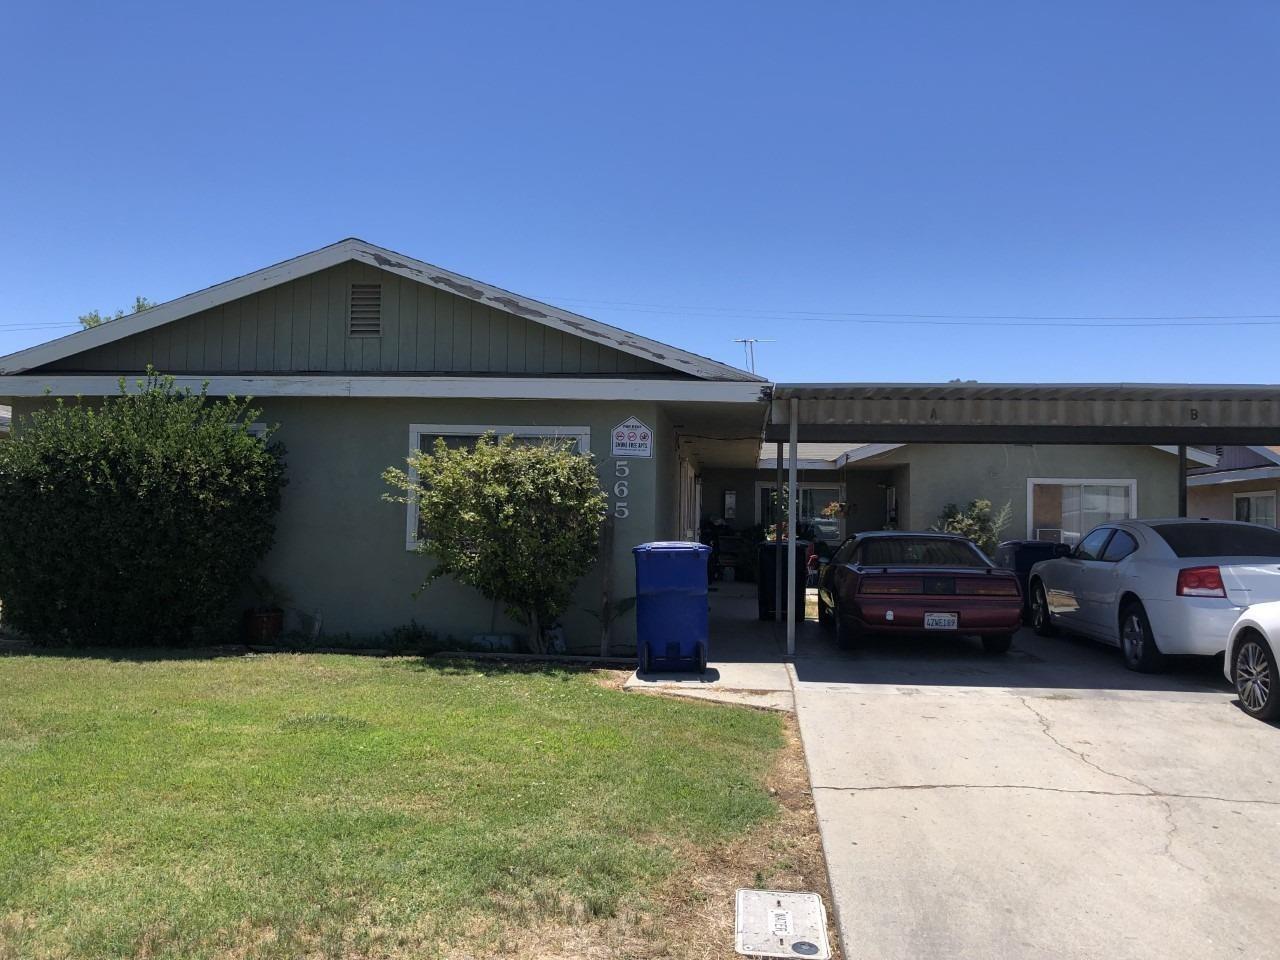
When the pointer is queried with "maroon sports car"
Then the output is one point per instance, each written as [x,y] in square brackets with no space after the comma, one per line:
[887,582]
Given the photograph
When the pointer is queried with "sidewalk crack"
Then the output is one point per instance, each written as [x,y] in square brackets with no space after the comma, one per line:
[1046,725]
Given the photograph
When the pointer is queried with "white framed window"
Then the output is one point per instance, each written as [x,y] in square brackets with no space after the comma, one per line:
[1064,509]
[1256,508]
[818,507]
[422,436]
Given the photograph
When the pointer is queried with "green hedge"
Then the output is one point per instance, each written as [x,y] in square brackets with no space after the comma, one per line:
[133,521]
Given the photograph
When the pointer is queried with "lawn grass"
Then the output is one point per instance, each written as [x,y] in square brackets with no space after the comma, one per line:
[332,806]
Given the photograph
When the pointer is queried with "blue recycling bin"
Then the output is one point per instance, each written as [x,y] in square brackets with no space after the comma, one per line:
[671,605]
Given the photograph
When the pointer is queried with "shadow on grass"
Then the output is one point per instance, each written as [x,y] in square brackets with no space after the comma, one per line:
[416,658]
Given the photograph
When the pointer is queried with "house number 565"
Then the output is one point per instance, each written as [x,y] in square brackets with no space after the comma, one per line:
[621,489]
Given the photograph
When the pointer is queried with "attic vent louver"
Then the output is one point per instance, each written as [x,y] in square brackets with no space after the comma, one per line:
[365,319]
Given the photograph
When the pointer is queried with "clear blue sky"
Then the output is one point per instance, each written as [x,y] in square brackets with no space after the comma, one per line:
[738,168]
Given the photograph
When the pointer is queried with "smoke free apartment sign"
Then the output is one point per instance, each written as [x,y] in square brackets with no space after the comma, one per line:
[631,438]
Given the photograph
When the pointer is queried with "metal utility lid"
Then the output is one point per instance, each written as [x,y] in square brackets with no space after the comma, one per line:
[777,923]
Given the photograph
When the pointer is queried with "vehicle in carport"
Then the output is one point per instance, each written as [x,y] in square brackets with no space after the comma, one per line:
[887,582]
[1158,587]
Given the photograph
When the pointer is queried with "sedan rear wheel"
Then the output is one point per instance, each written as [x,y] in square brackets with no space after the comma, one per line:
[1137,642]
[1255,673]
[1040,619]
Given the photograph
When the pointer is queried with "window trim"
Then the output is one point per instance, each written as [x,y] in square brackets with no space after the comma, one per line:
[1129,482]
[1252,494]
[418,430]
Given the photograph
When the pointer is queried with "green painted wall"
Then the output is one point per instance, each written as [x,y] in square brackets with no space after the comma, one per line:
[301,327]
[340,550]
[944,473]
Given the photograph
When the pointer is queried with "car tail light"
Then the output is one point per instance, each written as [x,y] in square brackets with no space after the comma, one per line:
[990,587]
[891,586]
[1201,582]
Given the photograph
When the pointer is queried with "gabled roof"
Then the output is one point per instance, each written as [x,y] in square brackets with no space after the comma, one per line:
[392,262]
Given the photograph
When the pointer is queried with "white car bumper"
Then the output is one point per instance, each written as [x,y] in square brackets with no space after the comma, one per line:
[1198,626]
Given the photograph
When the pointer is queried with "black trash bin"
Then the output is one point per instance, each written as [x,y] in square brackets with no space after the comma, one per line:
[765,569]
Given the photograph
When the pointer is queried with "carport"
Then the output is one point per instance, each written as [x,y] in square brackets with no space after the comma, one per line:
[1178,415]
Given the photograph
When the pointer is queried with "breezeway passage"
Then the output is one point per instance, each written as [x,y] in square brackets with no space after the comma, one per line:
[1046,804]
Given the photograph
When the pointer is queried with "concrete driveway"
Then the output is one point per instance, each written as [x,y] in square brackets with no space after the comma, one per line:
[1044,804]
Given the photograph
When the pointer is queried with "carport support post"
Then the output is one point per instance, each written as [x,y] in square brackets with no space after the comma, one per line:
[791,525]
[777,540]
[1182,479]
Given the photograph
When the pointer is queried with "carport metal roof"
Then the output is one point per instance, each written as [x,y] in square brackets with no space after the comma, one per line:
[1123,413]
[1027,413]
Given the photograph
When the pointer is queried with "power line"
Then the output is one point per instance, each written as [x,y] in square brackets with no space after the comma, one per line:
[957,319]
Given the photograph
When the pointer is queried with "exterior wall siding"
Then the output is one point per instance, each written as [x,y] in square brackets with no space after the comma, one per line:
[929,476]
[1217,502]
[301,327]
[957,473]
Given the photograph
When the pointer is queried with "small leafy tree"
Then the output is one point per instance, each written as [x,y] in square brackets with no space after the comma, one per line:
[976,522]
[519,522]
[136,520]
[93,318]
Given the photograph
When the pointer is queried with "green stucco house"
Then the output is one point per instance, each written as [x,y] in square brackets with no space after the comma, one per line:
[361,355]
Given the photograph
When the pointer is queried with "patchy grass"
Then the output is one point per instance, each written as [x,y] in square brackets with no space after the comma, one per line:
[329,806]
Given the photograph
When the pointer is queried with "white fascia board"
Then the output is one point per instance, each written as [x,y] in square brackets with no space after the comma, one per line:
[392,262]
[1199,456]
[1267,454]
[1233,476]
[865,452]
[494,388]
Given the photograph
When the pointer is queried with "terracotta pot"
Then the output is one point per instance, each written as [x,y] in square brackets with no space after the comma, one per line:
[263,626]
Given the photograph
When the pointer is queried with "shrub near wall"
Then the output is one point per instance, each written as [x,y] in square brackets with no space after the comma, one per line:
[134,521]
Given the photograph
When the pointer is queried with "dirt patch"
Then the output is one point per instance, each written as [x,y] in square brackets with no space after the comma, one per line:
[612,679]
[691,915]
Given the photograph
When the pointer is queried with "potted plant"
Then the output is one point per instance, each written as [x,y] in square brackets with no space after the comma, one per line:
[264,621]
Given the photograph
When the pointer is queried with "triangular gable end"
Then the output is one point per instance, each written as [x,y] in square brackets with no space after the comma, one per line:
[293,318]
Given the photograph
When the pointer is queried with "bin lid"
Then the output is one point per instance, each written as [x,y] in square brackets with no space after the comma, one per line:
[669,546]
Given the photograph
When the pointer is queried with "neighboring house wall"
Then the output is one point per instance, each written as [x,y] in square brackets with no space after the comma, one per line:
[1218,501]
[957,473]
[340,549]
[301,327]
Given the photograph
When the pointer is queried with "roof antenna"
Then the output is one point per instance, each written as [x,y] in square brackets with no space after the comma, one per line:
[749,349]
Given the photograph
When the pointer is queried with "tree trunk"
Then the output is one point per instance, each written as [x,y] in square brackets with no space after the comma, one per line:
[535,633]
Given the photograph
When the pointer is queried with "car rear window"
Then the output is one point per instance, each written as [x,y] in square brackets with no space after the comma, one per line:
[920,551]
[1220,539]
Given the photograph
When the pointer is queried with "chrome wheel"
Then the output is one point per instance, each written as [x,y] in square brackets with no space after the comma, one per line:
[1253,676]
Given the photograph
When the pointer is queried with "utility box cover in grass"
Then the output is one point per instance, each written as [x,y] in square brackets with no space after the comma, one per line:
[775,923]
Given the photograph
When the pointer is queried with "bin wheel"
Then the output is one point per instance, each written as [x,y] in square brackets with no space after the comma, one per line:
[700,658]
[643,656]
